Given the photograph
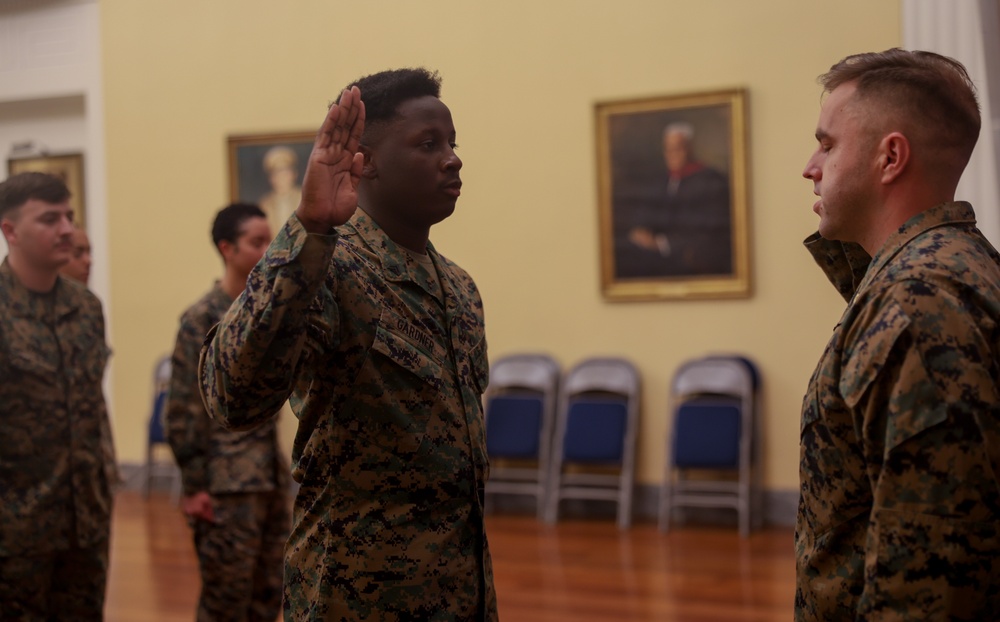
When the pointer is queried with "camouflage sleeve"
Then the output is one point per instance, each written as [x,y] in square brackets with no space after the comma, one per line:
[186,422]
[250,360]
[919,377]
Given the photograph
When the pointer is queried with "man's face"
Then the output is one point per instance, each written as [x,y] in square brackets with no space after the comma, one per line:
[78,266]
[40,233]
[843,168]
[675,151]
[253,240]
[416,167]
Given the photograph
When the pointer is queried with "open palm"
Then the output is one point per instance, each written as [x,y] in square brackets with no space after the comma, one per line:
[330,186]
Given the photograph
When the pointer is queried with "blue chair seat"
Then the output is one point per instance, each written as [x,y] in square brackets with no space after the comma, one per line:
[513,423]
[595,430]
[707,433]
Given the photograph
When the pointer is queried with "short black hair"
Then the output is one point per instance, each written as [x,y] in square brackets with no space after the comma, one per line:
[226,227]
[23,187]
[383,92]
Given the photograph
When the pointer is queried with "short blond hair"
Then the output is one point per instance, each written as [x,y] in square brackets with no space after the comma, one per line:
[931,93]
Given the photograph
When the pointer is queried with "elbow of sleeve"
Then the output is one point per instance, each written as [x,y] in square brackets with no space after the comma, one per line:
[232,407]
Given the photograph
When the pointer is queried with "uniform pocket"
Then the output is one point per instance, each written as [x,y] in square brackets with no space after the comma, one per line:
[872,348]
[395,393]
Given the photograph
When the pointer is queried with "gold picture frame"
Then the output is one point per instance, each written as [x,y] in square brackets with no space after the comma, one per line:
[67,167]
[673,197]
[267,169]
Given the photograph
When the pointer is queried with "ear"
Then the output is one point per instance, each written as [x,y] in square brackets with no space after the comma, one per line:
[893,156]
[368,170]
[8,229]
[226,250]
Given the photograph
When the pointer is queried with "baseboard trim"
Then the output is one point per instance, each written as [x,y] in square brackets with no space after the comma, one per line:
[779,506]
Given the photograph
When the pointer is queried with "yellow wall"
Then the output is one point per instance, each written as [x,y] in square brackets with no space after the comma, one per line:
[521,78]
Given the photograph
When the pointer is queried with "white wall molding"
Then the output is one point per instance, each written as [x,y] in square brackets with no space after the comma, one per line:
[968,31]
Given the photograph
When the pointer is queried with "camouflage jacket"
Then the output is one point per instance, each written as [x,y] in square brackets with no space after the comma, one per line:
[212,458]
[390,449]
[56,458]
[899,514]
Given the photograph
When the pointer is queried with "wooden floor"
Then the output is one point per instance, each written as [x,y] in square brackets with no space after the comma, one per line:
[578,570]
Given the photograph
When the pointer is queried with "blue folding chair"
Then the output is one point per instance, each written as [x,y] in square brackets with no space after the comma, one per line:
[711,454]
[596,426]
[520,406]
[156,437]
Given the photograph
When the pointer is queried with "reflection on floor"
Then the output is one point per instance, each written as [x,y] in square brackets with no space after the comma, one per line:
[578,570]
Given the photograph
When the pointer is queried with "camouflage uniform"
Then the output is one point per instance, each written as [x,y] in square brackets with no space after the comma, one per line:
[56,462]
[390,449]
[899,516]
[240,553]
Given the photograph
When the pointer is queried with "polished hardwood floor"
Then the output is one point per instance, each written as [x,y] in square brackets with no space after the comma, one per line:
[578,570]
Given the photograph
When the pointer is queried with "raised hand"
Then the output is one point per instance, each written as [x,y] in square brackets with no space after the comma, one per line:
[330,185]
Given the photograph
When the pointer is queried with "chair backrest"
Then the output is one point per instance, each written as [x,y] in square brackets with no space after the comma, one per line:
[713,400]
[161,388]
[520,405]
[714,375]
[538,372]
[609,375]
[599,406]
[161,373]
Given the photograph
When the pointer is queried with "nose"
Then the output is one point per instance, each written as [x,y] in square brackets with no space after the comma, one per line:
[66,224]
[812,170]
[451,161]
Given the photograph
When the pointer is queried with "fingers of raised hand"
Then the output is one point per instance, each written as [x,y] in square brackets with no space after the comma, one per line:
[344,123]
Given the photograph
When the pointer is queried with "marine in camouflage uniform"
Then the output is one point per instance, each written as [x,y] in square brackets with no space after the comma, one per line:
[240,552]
[235,483]
[385,350]
[56,459]
[899,514]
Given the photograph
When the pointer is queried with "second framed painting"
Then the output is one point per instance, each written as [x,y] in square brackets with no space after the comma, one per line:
[267,169]
[673,197]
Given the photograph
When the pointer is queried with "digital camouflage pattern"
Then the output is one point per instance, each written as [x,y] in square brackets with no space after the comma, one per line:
[239,557]
[390,450]
[240,553]
[57,462]
[899,515]
[62,585]
[212,458]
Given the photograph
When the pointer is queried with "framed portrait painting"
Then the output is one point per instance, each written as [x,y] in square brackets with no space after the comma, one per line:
[68,167]
[672,183]
[267,169]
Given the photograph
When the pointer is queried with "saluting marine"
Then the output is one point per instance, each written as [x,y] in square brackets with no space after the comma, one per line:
[382,340]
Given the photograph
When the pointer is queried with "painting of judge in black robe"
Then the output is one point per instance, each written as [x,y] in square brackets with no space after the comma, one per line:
[675,221]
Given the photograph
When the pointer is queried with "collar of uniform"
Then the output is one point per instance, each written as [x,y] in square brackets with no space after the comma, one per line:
[844,263]
[952,213]
[20,301]
[394,261]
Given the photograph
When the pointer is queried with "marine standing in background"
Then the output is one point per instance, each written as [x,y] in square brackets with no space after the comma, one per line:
[56,459]
[235,483]
[899,514]
[78,266]
[382,340]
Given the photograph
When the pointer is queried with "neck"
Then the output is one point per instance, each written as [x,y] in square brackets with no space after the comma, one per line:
[402,233]
[899,207]
[233,283]
[32,277]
